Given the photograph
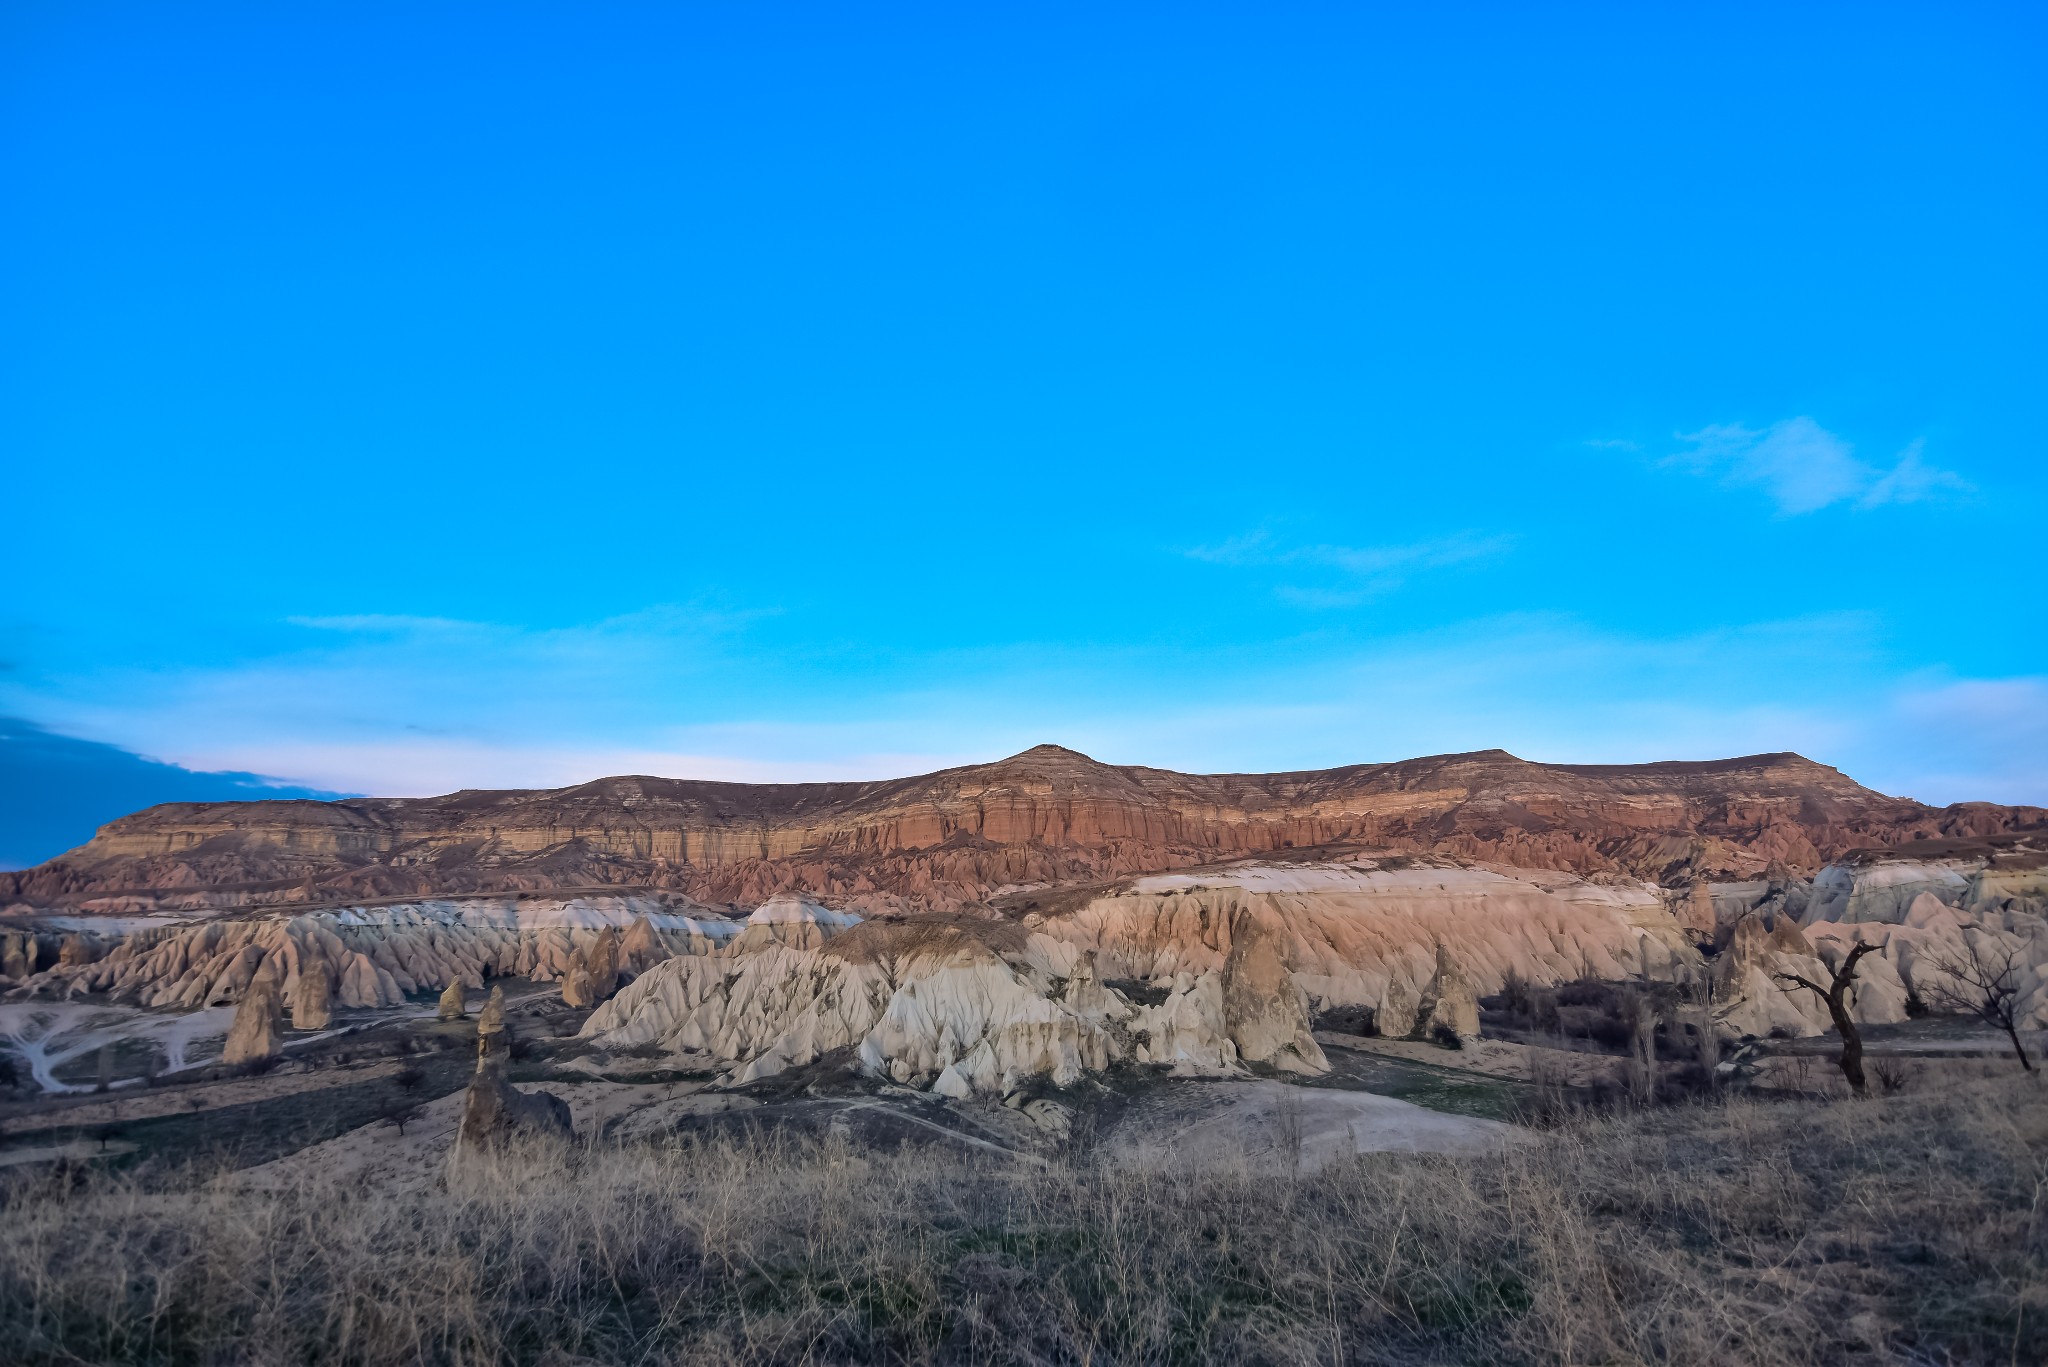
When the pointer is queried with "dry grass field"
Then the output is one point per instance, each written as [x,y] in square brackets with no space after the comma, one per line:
[1904,1229]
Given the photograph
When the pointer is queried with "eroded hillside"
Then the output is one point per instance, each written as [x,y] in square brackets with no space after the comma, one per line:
[937,842]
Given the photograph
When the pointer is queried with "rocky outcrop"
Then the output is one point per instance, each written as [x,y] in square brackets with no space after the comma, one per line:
[378,956]
[1700,917]
[593,973]
[253,1036]
[941,841]
[490,1022]
[1396,1017]
[1239,957]
[495,1113]
[452,1006]
[313,997]
[1265,1012]
[1352,932]
[955,1005]
[1922,916]
[18,955]
[1450,1004]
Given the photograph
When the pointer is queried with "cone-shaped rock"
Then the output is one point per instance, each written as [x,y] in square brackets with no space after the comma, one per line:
[313,997]
[253,1036]
[1265,1012]
[76,950]
[453,1008]
[1395,1018]
[602,959]
[491,1020]
[494,1111]
[578,988]
[17,955]
[1699,910]
[1456,1004]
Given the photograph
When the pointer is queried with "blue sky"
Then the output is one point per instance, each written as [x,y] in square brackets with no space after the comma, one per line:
[401,398]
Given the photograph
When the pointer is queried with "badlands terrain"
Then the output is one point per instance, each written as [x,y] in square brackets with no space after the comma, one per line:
[906,1049]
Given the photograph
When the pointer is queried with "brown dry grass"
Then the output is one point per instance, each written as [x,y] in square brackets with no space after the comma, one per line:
[1908,1229]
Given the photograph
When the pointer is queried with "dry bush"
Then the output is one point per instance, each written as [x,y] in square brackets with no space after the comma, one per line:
[1909,1228]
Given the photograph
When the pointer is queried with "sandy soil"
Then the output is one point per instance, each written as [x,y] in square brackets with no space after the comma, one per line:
[1270,1123]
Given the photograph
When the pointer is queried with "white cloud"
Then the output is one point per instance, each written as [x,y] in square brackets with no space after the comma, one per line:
[428,767]
[1803,467]
[1969,740]
[1358,572]
[1912,480]
[431,712]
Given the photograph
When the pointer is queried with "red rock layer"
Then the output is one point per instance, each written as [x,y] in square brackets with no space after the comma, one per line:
[942,840]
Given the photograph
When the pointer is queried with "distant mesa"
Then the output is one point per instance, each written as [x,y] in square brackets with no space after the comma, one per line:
[953,839]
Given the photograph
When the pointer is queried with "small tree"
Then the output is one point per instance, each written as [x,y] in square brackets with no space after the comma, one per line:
[1834,995]
[1985,984]
[402,1116]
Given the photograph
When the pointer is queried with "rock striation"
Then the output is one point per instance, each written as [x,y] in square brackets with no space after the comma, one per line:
[951,839]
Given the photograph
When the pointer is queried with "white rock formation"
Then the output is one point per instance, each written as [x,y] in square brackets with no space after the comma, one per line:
[312,996]
[376,956]
[1244,955]
[494,1112]
[1453,1005]
[1352,932]
[254,1034]
[924,1001]
[1921,915]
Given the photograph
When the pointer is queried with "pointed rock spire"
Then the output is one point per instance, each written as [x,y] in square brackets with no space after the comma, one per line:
[313,997]
[253,1036]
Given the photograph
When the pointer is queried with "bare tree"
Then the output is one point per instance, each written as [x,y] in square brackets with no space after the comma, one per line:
[1833,994]
[1983,984]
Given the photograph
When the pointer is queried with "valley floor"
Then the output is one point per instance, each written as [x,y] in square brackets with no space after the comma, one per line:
[1177,1222]
[1496,1203]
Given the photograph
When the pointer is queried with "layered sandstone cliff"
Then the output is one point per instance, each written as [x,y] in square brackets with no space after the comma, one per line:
[942,841]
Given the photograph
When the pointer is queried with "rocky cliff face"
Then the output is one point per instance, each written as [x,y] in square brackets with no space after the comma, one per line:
[942,841]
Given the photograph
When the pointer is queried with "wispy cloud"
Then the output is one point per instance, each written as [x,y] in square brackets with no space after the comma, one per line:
[1803,467]
[388,624]
[432,712]
[1356,572]
[423,767]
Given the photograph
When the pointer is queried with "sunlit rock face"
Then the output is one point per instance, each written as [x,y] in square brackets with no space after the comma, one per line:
[957,838]
[1234,961]
[1350,932]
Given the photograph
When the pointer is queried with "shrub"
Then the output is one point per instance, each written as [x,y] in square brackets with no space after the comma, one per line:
[1659,1235]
